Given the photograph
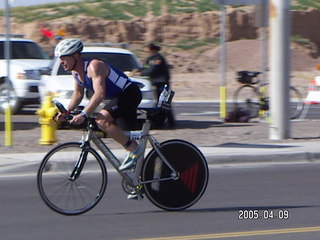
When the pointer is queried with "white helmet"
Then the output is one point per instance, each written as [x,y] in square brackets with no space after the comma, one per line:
[68,47]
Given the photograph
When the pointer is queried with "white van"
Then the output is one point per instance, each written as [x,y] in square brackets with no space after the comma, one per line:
[26,59]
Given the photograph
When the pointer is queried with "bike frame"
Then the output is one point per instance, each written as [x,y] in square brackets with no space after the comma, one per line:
[132,177]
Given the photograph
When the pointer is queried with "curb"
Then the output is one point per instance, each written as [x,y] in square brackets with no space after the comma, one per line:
[264,158]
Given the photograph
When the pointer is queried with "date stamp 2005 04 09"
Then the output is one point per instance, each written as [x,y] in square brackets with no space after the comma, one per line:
[254,214]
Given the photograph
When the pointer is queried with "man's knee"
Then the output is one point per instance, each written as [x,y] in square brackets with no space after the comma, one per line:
[104,120]
[102,123]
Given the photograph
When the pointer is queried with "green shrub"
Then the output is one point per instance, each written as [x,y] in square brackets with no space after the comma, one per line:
[188,44]
[125,10]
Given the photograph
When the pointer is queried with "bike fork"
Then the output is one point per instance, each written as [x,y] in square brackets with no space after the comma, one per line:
[81,161]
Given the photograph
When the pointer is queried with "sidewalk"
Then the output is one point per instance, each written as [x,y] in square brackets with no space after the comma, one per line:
[221,143]
[229,153]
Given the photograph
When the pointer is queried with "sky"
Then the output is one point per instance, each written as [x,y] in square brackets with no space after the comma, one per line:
[19,3]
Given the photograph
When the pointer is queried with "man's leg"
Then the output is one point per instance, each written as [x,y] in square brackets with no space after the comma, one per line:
[107,124]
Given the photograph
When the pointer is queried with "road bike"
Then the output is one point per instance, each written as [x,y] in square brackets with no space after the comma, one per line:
[253,99]
[72,177]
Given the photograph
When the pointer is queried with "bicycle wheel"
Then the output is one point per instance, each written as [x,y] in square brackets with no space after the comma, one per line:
[247,98]
[66,196]
[296,103]
[187,189]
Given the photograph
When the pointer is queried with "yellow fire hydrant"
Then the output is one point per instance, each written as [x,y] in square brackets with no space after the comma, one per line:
[48,125]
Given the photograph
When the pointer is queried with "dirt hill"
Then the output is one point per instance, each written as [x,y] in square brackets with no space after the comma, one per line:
[195,67]
[172,31]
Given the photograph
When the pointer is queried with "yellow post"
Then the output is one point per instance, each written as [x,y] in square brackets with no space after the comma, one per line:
[8,126]
[262,111]
[223,101]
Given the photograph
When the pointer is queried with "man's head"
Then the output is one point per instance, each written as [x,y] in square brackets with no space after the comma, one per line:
[68,46]
[68,51]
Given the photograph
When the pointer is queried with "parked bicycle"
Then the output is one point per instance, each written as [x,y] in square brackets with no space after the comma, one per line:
[72,177]
[253,99]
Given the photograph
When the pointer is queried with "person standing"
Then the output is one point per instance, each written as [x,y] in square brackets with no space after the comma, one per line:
[157,69]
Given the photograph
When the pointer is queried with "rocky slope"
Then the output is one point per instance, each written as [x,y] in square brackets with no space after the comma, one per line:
[172,30]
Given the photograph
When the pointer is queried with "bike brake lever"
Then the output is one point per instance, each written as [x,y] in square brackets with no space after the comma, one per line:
[59,105]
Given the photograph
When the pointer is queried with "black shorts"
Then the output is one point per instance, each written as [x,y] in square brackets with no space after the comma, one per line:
[124,107]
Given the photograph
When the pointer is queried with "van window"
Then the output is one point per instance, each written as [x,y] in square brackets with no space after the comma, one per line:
[23,50]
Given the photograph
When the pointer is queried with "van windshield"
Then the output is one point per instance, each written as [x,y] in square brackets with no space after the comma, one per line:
[23,50]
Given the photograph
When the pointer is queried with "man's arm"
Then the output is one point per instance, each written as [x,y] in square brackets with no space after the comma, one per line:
[77,96]
[97,71]
[74,102]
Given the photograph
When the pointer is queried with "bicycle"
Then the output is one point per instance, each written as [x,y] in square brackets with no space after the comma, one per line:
[253,99]
[72,177]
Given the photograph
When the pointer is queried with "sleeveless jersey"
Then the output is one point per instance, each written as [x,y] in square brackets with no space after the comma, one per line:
[116,81]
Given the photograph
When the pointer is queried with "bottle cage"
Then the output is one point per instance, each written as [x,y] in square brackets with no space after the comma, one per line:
[165,103]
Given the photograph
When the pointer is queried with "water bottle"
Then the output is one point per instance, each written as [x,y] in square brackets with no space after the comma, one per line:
[163,96]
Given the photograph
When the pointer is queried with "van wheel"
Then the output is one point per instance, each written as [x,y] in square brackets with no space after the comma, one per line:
[14,101]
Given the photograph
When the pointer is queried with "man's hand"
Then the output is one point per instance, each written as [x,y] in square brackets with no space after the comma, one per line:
[61,117]
[77,119]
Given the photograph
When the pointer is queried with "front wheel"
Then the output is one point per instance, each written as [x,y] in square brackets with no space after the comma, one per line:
[181,192]
[248,99]
[296,103]
[69,195]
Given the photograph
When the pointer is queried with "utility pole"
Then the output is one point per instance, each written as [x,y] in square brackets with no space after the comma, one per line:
[280,26]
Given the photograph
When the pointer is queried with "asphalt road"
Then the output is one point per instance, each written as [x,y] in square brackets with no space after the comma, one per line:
[285,197]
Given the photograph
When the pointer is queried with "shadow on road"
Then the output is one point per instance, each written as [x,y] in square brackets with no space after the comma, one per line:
[184,124]
[16,126]
[27,111]
[305,138]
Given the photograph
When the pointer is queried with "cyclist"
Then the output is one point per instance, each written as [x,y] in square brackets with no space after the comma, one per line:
[105,82]
[157,69]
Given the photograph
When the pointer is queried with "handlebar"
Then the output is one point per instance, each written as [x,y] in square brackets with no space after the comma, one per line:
[249,73]
[60,107]
[70,115]
[247,77]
